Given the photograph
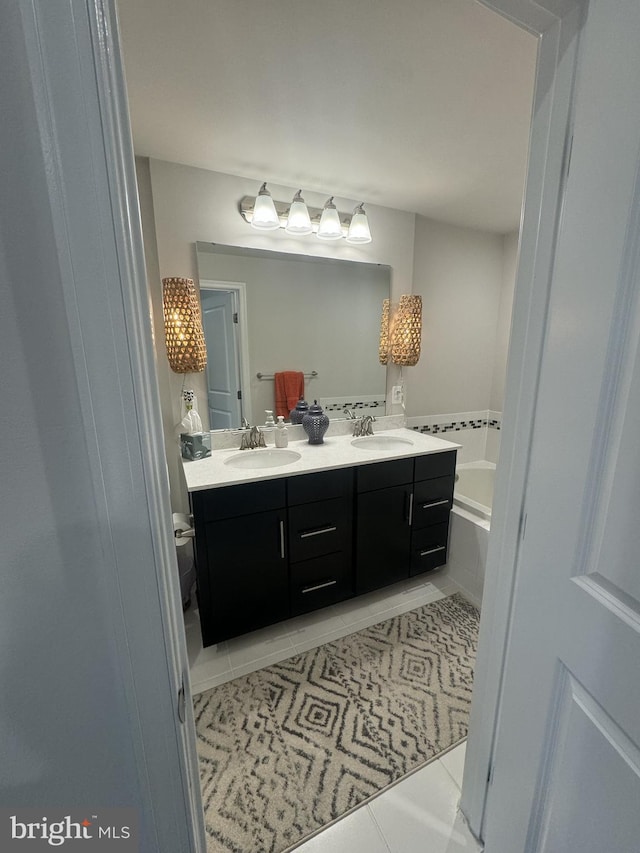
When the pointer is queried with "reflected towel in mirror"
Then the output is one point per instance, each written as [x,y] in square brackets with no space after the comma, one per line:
[288,389]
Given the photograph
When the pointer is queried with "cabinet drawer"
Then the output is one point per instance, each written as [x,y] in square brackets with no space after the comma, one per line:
[321,486]
[436,465]
[319,528]
[233,501]
[429,548]
[382,475]
[320,582]
[432,501]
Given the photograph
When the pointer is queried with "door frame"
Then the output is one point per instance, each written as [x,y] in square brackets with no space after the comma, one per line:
[241,338]
[556,23]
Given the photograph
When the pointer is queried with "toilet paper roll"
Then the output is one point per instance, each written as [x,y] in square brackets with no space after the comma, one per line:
[182,525]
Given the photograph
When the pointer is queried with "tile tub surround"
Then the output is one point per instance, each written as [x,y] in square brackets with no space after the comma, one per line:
[336,452]
[478,432]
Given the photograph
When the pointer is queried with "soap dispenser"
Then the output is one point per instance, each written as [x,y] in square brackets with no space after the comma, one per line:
[269,421]
[282,433]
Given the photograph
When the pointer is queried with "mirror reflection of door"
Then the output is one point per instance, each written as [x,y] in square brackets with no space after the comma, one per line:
[219,318]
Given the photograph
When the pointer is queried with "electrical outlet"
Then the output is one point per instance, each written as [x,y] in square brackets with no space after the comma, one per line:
[396,394]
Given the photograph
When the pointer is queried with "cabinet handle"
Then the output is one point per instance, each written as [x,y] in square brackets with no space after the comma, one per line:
[318,586]
[432,551]
[435,503]
[410,509]
[282,539]
[318,532]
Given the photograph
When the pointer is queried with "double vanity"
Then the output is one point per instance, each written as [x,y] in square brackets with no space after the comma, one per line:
[281,532]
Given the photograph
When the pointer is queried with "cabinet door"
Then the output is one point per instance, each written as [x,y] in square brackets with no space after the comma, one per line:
[248,575]
[383,537]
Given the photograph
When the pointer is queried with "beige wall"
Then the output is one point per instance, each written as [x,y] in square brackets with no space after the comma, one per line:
[459,273]
[465,277]
[503,330]
[182,204]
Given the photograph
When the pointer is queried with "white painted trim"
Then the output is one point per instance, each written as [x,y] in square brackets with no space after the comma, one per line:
[557,24]
[80,97]
[240,289]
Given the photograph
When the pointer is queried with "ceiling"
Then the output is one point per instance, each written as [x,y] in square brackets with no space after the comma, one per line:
[419,105]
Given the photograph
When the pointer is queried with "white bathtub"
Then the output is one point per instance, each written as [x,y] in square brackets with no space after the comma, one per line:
[473,490]
[470,526]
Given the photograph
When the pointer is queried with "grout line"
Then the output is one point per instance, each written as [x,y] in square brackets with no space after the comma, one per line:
[385,841]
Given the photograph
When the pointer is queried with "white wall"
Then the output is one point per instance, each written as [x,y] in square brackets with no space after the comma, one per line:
[195,204]
[459,273]
[503,330]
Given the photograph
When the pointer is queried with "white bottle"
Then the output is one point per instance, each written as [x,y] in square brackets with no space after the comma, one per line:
[282,433]
[269,421]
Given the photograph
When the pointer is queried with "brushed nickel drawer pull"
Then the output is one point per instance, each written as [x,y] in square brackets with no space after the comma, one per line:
[435,503]
[432,551]
[410,509]
[318,586]
[318,532]
[282,539]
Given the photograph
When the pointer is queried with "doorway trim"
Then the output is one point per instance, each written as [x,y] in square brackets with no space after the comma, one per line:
[557,25]
[240,289]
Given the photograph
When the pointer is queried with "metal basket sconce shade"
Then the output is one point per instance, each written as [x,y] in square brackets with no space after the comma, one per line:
[186,347]
[407,331]
[383,351]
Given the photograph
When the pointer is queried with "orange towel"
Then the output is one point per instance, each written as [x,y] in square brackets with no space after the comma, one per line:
[289,387]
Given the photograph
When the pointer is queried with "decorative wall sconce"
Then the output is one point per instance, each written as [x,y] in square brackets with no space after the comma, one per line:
[186,348]
[401,334]
[265,214]
[383,350]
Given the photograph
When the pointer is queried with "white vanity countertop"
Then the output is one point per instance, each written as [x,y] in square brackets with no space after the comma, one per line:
[336,452]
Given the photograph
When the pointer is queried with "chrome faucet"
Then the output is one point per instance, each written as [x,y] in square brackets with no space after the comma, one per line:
[364,426]
[350,414]
[251,439]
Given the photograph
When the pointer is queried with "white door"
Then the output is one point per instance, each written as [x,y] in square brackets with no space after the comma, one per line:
[566,772]
[219,315]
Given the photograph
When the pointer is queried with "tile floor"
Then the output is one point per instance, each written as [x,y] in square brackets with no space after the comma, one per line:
[417,815]
[241,655]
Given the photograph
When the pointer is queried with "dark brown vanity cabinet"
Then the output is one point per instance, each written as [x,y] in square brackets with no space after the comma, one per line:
[432,501]
[402,520]
[320,539]
[383,524]
[278,548]
[241,558]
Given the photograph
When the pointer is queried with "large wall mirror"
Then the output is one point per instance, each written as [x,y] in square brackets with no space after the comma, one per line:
[315,315]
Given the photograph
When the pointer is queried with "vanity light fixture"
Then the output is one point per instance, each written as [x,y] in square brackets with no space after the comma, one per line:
[184,336]
[330,227]
[298,220]
[265,216]
[327,223]
[359,226]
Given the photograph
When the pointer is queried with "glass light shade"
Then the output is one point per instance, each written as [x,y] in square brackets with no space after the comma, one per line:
[359,227]
[330,227]
[265,216]
[298,221]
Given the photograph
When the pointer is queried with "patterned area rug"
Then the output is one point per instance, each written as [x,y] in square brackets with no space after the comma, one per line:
[288,749]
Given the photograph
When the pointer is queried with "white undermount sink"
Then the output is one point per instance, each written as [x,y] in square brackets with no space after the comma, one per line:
[381,442]
[271,457]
